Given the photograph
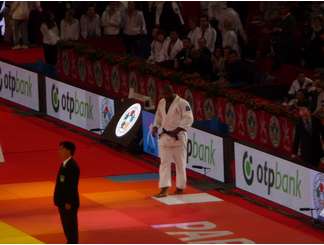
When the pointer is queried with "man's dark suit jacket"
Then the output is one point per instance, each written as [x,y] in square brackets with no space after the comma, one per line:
[309,142]
[66,188]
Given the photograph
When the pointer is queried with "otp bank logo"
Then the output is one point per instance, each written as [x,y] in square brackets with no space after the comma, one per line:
[128,120]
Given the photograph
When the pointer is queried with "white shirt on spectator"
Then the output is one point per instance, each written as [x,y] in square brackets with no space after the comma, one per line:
[194,35]
[157,52]
[295,86]
[50,36]
[135,24]
[111,23]
[90,27]
[176,48]
[210,35]
[230,40]
[70,31]
[159,8]
[20,10]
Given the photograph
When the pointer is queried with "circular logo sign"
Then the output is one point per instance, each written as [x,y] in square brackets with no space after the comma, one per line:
[115,80]
[107,111]
[318,194]
[209,109]
[230,117]
[82,68]
[128,120]
[252,124]
[274,131]
[98,73]
[133,81]
[66,63]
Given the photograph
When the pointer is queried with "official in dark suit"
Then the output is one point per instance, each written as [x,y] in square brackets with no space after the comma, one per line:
[66,195]
[308,138]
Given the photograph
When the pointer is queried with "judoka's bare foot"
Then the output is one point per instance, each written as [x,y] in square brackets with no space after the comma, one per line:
[163,192]
[178,191]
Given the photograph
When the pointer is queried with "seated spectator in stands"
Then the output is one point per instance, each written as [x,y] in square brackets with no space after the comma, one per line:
[183,60]
[50,38]
[194,32]
[317,51]
[134,30]
[202,60]
[111,19]
[90,24]
[284,39]
[308,134]
[301,100]
[238,72]
[229,37]
[70,29]
[317,25]
[218,62]
[302,82]
[207,32]
[173,45]
[157,47]
[168,16]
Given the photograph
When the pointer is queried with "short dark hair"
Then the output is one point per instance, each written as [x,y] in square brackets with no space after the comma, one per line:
[68,145]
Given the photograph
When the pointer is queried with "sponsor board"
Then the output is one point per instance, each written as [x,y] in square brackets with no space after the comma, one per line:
[77,106]
[128,120]
[278,180]
[204,150]
[19,85]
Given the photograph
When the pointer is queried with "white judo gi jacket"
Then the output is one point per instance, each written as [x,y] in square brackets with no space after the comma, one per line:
[173,150]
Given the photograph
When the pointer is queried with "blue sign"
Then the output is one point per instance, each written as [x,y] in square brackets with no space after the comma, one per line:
[150,143]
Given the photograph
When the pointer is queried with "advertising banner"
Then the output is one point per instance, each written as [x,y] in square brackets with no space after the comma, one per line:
[19,85]
[78,107]
[205,151]
[278,180]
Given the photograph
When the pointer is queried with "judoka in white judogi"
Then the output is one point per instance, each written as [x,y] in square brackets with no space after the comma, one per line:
[174,117]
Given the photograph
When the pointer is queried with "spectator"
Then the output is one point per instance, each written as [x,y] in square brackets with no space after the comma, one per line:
[2,18]
[309,131]
[301,100]
[90,24]
[207,32]
[284,39]
[218,62]
[317,51]
[70,28]
[183,60]
[157,47]
[19,12]
[50,38]
[302,82]
[194,32]
[230,37]
[173,45]
[111,20]
[134,30]
[34,23]
[168,16]
[202,60]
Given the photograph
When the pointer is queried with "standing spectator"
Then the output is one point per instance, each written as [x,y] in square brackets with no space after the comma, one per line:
[157,47]
[230,38]
[19,12]
[111,20]
[34,23]
[207,32]
[168,16]
[284,39]
[70,28]
[183,59]
[90,24]
[302,82]
[309,131]
[202,60]
[134,30]
[194,31]
[173,46]
[50,38]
